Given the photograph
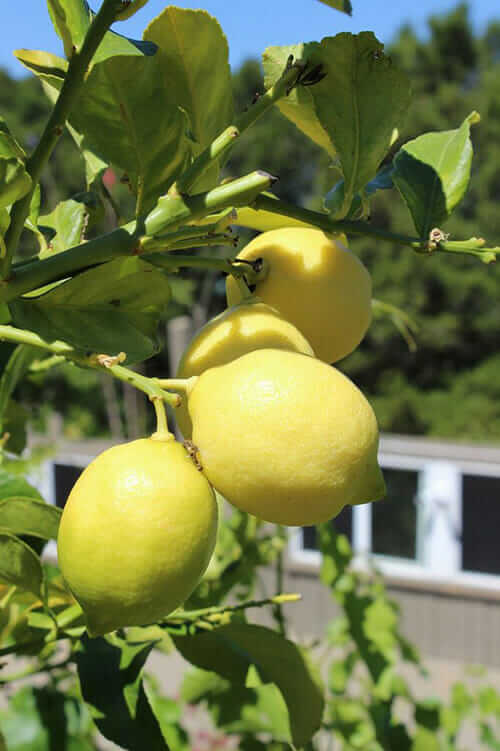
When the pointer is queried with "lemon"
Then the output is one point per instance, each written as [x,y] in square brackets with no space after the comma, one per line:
[136,534]
[243,328]
[316,283]
[285,437]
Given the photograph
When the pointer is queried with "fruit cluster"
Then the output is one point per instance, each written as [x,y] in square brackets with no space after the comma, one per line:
[272,426]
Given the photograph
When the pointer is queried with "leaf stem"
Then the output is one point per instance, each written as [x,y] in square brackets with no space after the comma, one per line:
[70,90]
[323,221]
[140,382]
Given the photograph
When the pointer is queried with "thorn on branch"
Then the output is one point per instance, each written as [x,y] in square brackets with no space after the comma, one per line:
[107,361]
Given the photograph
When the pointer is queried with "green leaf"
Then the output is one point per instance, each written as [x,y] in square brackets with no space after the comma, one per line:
[111,683]
[238,708]
[129,116]
[334,199]
[14,180]
[29,516]
[72,18]
[231,650]
[432,173]
[168,714]
[131,9]
[343,5]
[193,59]
[15,420]
[16,367]
[299,106]
[425,740]
[370,99]
[71,22]
[15,485]
[44,719]
[69,221]
[336,554]
[112,308]
[340,672]
[19,564]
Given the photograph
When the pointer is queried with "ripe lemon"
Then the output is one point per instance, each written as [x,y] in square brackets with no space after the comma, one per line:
[316,283]
[285,437]
[243,328]
[136,534]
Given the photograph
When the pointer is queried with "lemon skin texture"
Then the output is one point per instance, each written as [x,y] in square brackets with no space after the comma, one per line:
[243,328]
[316,283]
[285,437]
[136,534]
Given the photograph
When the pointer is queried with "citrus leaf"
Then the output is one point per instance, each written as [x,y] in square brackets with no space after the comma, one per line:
[17,365]
[432,173]
[239,708]
[111,684]
[193,59]
[39,719]
[342,5]
[131,9]
[15,420]
[129,116]
[72,19]
[14,180]
[19,564]
[15,485]
[68,222]
[29,516]
[299,105]
[371,98]
[112,308]
[231,650]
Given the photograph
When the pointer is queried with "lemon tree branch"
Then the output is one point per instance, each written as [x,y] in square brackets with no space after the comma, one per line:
[226,140]
[102,362]
[72,85]
[169,214]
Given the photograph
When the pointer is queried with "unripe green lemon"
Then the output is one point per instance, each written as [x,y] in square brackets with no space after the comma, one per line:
[136,534]
[316,283]
[285,437]
[243,328]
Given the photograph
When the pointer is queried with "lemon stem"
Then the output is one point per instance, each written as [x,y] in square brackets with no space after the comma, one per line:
[162,432]
[243,287]
[184,385]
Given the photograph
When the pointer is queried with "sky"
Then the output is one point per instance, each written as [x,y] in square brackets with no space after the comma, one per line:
[250,25]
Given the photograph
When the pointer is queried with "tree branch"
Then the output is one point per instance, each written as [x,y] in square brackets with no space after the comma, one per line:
[70,90]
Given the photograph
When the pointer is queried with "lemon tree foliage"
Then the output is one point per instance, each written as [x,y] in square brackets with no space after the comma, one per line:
[161,545]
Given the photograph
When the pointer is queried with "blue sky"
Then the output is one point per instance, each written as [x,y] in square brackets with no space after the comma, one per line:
[250,25]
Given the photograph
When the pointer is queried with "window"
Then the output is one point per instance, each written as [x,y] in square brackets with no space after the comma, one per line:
[394,522]
[65,476]
[480,524]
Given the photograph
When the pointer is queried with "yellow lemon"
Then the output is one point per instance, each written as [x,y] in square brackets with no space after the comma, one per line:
[316,283]
[243,328]
[136,534]
[285,437]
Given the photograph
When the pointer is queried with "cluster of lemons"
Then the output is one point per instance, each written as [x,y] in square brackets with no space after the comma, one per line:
[274,429]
